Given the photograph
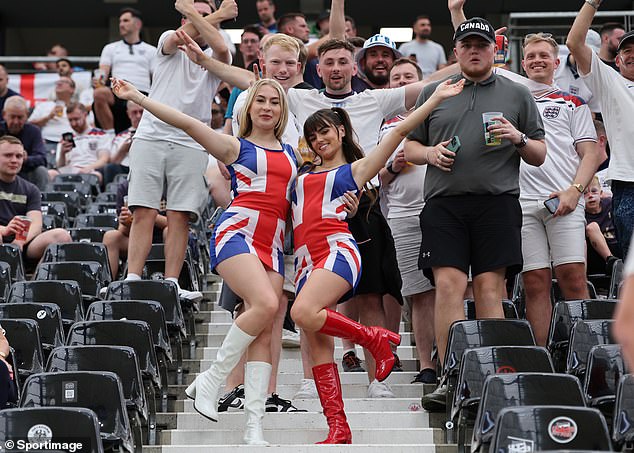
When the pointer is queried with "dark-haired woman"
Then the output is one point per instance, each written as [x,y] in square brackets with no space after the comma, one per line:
[327,260]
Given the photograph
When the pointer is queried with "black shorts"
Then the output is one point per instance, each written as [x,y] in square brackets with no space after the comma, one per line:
[478,231]
[119,114]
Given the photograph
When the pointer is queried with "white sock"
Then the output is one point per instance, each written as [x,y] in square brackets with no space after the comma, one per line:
[132,277]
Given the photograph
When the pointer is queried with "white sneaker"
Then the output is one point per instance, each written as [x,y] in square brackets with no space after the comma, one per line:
[307,391]
[378,389]
[194,296]
[103,291]
[290,339]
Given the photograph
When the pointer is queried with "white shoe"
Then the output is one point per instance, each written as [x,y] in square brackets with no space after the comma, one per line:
[194,296]
[307,391]
[378,389]
[206,387]
[256,385]
[290,339]
[103,291]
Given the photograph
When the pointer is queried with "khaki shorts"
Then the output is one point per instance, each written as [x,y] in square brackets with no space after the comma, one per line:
[546,239]
[155,164]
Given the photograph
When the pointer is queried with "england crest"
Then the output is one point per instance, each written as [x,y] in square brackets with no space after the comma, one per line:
[551,112]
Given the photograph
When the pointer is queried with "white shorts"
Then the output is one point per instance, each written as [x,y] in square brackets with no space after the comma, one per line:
[407,239]
[154,164]
[546,239]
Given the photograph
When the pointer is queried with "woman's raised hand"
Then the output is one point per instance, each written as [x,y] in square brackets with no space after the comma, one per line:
[447,89]
[125,90]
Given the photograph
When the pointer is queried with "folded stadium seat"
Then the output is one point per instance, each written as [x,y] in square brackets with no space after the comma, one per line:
[623,426]
[5,281]
[66,294]
[164,292]
[48,318]
[510,312]
[468,334]
[545,428]
[84,190]
[64,423]
[99,391]
[102,207]
[88,234]
[89,178]
[58,210]
[149,311]
[50,221]
[556,294]
[12,255]
[80,251]
[520,389]
[616,280]
[96,220]
[106,197]
[564,316]
[122,361]
[135,334]
[155,262]
[479,363]
[24,337]
[70,199]
[605,368]
[584,335]
[87,273]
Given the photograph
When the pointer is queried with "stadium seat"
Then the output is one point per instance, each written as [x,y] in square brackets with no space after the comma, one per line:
[510,312]
[80,251]
[520,389]
[102,208]
[106,197]
[584,335]
[48,318]
[5,281]
[12,255]
[605,368]
[623,431]
[89,178]
[70,199]
[99,391]
[87,273]
[616,280]
[24,338]
[96,221]
[556,294]
[63,423]
[88,234]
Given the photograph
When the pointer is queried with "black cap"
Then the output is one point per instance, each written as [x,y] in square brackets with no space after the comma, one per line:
[324,15]
[475,26]
[629,36]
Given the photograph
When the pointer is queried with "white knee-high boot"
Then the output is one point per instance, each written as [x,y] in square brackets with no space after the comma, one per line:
[256,384]
[205,388]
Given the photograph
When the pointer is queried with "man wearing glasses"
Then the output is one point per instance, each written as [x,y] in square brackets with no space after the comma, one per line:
[129,59]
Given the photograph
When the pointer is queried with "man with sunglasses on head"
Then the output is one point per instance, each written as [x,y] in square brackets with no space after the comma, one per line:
[129,59]
[616,92]
[162,155]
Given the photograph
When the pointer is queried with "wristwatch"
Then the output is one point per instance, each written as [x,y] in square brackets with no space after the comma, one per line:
[391,170]
[523,141]
[578,186]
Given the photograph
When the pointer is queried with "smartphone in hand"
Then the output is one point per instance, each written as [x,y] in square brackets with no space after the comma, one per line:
[454,144]
[552,204]
[68,136]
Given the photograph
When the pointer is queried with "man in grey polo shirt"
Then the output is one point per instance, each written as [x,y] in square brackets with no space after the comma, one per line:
[472,216]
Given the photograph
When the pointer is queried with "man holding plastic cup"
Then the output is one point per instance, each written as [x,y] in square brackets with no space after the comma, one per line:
[20,203]
[472,215]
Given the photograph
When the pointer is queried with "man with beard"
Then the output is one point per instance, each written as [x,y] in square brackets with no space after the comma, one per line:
[430,55]
[294,24]
[375,61]
[611,33]
[472,217]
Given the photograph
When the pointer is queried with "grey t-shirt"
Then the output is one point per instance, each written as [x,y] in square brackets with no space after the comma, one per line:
[478,169]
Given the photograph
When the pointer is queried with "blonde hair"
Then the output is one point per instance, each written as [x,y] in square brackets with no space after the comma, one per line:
[284,41]
[533,38]
[246,124]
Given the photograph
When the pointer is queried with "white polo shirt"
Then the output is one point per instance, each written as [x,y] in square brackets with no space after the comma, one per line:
[131,62]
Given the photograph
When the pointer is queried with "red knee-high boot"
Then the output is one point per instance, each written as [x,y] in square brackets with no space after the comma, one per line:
[376,339]
[329,389]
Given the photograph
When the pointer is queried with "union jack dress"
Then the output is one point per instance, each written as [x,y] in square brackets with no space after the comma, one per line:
[255,220]
[321,235]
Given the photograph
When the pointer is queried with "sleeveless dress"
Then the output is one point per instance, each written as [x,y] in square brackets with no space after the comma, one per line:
[255,220]
[322,237]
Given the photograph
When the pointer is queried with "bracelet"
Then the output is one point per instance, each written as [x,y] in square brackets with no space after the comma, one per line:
[594,3]
[391,170]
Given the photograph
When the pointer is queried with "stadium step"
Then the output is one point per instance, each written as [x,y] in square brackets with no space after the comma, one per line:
[378,425]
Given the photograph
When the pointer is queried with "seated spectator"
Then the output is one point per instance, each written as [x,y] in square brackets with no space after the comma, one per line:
[8,391]
[5,91]
[119,160]
[14,123]
[56,50]
[20,214]
[87,150]
[51,116]
[116,241]
[83,92]
[603,247]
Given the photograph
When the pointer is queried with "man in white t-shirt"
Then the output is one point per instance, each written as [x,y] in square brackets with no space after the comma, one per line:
[120,147]
[616,92]
[50,116]
[572,158]
[430,56]
[129,59]
[164,155]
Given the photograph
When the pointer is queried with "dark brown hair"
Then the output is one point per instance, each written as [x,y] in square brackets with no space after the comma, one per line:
[333,44]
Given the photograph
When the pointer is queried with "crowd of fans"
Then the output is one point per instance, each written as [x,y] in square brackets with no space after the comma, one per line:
[510,175]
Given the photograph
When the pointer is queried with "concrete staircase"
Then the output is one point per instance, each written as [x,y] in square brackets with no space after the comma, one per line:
[378,425]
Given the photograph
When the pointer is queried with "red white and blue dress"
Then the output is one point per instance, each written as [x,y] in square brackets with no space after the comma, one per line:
[321,235]
[256,219]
